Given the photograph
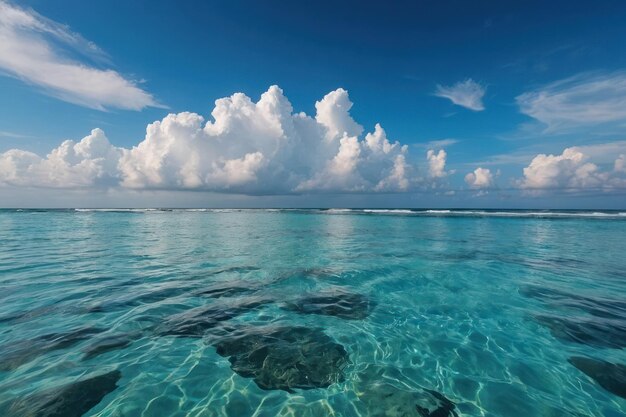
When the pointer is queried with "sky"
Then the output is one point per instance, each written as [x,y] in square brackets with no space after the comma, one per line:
[313,104]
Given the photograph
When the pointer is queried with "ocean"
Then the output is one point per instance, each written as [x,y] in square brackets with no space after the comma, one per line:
[311,312]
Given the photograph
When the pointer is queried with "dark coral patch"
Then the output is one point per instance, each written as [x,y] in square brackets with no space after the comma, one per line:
[25,351]
[441,406]
[235,270]
[198,321]
[334,303]
[593,332]
[285,358]
[118,302]
[610,376]
[384,399]
[228,289]
[108,344]
[596,306]
[72,400]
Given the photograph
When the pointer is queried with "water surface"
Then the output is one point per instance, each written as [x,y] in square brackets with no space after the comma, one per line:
[312,313]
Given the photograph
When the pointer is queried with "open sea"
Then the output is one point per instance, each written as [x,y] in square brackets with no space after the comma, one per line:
[426,313]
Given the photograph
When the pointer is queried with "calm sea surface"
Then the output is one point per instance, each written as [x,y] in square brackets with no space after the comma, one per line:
[312,313]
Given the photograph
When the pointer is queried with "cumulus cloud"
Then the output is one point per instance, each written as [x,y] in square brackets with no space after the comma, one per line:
[247,147]
[32,49]
[570,171]
[583,100]
[333,112]
[91,161]
[480,178]
[436,163]
[468,94]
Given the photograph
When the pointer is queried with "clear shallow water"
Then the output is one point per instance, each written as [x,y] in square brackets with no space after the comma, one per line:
[404,313]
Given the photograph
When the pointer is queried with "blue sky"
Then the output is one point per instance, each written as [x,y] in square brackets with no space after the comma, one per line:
[494,85]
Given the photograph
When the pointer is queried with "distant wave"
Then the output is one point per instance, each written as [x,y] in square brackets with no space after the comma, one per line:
[486,213]
[555,214]
[512,213]
[149,210]
[392,211]
[114,210]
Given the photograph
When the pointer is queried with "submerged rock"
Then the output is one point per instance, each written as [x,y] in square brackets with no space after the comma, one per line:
[25,316]
[235,270]
[594,332]
[26,350]
[227,289]
[610,376]
[148,297]
[386,400]
[596,306]
[108,344]
[72,400]
[285,358]
[197,321]
[441,406]
[334,303]
[316,273]
[63,305]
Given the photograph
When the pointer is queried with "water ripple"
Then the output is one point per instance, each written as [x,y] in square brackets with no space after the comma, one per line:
[312,313]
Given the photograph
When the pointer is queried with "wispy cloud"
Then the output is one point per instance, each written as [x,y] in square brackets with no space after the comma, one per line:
[438,143]
[13,135]
[603,152]
[36,50]
[468,94]
[579,101]
[515,158]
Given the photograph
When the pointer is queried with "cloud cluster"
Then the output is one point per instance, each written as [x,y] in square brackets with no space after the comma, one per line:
[91,161]
[583,100]
[569,171]
[31,49]
[247,147]
[480,178]
[468,94]
[265,147]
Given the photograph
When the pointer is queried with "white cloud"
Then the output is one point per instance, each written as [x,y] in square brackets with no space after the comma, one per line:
[333,112]
[603,152]
[436,163]
[570,171]
[92,161]
[620,164]
[468,94]
[583,100]
[13,135]
[247,147]
[600,153]
[30,51]
[480,178]
[439,143]
[398,178]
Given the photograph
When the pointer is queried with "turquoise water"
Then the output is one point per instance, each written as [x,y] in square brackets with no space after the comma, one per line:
[312,313]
